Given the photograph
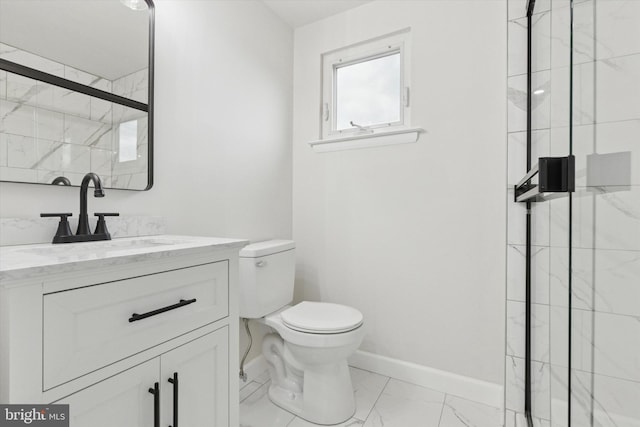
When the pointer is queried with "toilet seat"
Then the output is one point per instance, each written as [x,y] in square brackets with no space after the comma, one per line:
[311,339]
[321,318]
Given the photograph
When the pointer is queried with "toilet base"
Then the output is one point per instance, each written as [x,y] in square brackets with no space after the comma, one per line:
[309,373]
[327,396]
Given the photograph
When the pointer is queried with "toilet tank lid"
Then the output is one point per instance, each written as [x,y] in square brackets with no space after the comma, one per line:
[267,247]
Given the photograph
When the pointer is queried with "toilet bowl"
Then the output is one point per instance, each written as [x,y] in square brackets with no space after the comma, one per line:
[308,349]
[309,372]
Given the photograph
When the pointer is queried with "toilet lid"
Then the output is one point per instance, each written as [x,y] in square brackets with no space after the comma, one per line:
[321,317]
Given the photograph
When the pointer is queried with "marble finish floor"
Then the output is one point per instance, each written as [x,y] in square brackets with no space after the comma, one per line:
[380,401]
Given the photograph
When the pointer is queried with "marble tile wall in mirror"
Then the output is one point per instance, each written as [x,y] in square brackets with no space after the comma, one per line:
[48,131]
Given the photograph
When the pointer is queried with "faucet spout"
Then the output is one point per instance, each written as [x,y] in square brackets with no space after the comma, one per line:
[83,220]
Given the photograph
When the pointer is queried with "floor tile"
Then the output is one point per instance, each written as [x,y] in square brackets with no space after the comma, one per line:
[413,392]
[258,411]
[262,378]
[248,389]
[380,401]
[299,422]
[461,412]
[402,404]
[367,387]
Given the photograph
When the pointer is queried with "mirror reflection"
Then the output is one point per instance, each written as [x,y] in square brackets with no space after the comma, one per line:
[55,134]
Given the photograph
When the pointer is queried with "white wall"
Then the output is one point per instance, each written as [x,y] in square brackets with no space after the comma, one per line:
[413,235]
[222,127]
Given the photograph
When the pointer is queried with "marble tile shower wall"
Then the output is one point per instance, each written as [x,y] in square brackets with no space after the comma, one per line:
[47,131]
[606,214]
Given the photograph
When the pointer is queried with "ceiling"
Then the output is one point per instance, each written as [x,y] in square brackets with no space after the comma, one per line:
[301,12]
[107,39]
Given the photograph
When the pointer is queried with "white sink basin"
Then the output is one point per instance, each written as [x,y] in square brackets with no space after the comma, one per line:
[103,246]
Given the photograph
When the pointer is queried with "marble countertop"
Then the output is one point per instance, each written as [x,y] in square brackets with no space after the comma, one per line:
[28,261]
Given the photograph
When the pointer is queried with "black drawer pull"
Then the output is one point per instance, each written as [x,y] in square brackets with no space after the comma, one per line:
[182,303]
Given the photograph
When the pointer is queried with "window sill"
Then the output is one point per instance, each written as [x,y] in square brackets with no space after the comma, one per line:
[367,140]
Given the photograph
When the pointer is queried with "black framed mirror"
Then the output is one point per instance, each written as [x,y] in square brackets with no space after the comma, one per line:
[76,91]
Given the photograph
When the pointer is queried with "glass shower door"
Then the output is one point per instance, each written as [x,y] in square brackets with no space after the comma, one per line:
[604,303]
[579,363]
[550,253]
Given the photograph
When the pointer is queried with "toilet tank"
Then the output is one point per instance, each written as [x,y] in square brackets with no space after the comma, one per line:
[266,277]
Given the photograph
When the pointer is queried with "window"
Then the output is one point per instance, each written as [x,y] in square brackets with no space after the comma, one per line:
[368,92]
[366,87]
[128,141]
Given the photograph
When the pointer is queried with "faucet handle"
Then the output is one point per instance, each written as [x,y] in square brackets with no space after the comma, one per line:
[63,226]
[101,227]
[63,216]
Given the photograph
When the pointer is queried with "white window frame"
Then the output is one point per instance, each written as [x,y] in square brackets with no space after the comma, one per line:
[397,42]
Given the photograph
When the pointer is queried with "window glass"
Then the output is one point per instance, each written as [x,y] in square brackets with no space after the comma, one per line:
[128,147]
[367,93]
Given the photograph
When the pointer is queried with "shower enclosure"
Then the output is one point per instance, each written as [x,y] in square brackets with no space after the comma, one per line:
[573,294]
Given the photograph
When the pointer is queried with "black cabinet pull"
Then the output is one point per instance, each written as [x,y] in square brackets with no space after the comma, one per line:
[174,381]
[182,303]
[156,404]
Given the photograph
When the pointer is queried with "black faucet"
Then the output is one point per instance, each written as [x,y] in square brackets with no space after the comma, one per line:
[83,234]
[83,220]
[61,180]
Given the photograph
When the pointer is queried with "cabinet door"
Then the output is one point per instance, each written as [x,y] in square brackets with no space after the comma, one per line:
[122,400]
[203,382]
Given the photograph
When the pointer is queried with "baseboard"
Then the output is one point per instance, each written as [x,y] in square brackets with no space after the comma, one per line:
[254,368]
[458,385]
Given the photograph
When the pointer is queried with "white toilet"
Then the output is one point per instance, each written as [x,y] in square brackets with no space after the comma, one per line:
[307,356]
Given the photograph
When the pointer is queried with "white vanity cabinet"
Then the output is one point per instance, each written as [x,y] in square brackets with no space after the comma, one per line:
[121,400]
[137,340]
[202,372]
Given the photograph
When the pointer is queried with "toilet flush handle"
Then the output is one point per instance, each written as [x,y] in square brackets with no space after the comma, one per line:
[261,263]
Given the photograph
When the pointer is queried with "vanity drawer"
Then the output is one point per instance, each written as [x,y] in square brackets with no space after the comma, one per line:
[87,328]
